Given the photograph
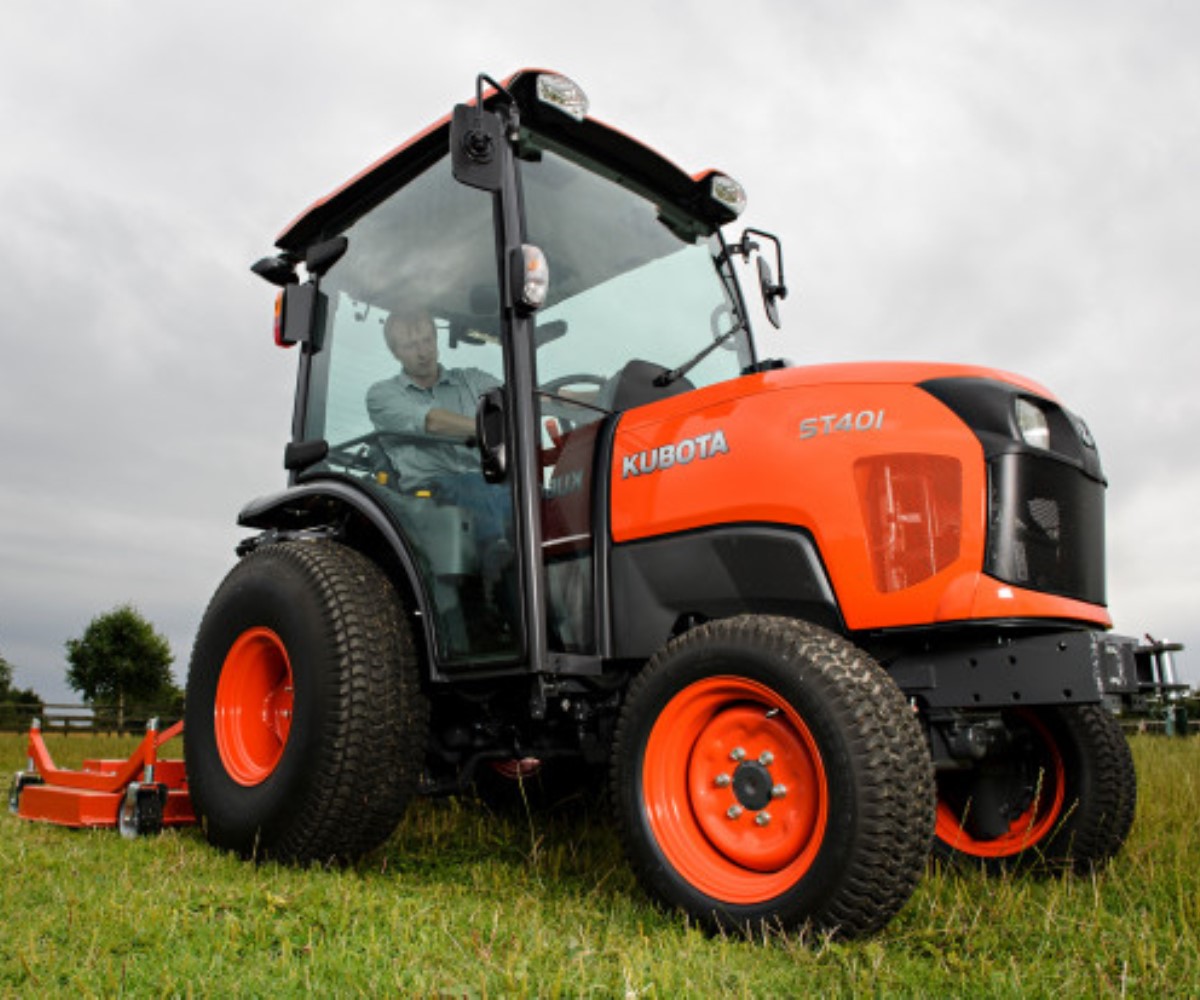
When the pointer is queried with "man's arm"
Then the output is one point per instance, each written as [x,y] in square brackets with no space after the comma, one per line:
[389,410]
[449,424]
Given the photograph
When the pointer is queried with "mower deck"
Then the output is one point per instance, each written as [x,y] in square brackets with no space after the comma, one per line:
[139,795]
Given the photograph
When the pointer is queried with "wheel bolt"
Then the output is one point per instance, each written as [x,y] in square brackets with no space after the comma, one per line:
[766,758]
[734,811]
[763,818]
[722,781]
[778,791]
[737,754]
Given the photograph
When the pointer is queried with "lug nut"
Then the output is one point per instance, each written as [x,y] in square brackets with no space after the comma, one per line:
[763,818]
[778,791]
[766,758]
[737,754]
[722,781]
[734,811]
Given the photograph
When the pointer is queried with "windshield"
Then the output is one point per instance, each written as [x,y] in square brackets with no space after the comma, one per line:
[625,284]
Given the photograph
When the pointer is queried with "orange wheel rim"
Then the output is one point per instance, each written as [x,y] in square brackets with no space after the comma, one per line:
[735,790]
[253,712]
[1027,829]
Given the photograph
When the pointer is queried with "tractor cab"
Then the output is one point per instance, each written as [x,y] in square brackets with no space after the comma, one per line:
[556,273]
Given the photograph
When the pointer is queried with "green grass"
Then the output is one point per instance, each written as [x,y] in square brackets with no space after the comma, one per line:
[462,903]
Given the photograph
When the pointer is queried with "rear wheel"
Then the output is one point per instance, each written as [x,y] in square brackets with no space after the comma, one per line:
[306,727]
[767,771]
[1061,794]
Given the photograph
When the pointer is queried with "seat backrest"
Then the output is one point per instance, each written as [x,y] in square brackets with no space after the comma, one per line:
[635,385]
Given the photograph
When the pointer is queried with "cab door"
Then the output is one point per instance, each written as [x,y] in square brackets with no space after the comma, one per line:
[412,328]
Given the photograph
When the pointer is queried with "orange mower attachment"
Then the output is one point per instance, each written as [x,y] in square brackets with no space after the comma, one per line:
[139,795]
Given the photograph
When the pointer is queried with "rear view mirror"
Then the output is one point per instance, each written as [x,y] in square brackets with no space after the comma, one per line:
[770,291]
[490,431]
[297,315]
[476,138]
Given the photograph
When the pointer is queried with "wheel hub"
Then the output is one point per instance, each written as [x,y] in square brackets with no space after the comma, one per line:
[752,785]
[252,715]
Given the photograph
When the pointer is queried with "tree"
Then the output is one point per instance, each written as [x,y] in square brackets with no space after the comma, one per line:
[120,659]
[17,705]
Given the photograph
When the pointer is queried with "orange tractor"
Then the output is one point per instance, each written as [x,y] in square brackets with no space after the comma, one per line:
[552,518]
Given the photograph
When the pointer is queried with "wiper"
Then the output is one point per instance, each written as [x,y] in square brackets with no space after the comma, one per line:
[675,374]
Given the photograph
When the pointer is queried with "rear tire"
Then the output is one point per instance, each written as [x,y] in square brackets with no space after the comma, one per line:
[767,772]
[1067,790]
[305,725]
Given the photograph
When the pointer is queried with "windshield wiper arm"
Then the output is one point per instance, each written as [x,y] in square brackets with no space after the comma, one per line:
[675,374]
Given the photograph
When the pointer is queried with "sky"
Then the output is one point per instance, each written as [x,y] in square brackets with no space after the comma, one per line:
[1009,184]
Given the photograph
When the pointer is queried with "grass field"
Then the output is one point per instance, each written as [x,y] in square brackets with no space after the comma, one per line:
[462,903]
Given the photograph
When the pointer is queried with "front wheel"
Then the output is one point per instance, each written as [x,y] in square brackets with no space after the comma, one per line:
[306,727]
[1060,794]
[766,771]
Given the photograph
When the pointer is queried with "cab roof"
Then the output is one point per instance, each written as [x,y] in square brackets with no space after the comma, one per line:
[635,165]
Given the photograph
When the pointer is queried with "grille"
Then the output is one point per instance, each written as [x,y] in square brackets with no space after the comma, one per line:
[1046,527]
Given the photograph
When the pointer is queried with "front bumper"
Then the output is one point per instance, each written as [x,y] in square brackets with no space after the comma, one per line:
[1057,668]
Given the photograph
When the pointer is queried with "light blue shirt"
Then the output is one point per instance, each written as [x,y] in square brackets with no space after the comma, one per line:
[399,404]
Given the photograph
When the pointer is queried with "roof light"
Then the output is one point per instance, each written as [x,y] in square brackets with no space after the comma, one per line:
[728,192]
[564,94]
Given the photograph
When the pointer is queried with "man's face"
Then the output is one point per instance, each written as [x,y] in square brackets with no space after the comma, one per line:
[415,346]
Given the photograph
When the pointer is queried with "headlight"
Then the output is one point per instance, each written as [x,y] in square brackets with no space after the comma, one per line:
[1032,424]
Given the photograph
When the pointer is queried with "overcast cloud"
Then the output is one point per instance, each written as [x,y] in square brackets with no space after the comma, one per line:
[1012,184]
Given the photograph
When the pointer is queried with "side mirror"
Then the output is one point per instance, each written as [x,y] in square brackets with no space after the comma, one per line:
[490,432]
[770,291]
[476,144]
[297,313]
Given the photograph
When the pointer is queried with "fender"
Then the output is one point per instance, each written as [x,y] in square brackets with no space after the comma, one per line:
[324,502]
[657,584]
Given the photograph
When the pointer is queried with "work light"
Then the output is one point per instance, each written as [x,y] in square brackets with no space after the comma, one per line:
[728,192]
[564,94]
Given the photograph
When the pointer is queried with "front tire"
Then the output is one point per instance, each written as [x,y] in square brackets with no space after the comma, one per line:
[305,724]
[1062,796]
[767,772]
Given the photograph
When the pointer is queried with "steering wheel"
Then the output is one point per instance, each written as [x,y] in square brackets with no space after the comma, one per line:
[555,384]
[367,452]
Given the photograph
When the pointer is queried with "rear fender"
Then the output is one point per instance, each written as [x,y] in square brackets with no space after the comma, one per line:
[335,507]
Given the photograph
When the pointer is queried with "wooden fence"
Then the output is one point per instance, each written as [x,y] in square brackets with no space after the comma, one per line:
[68,719]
